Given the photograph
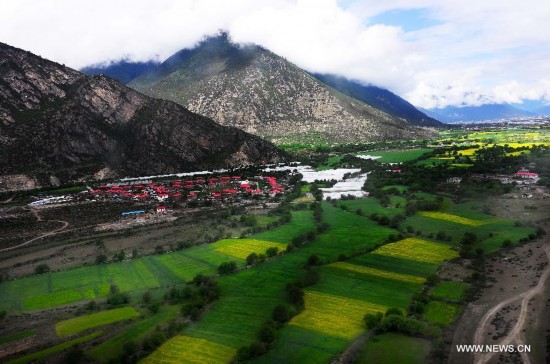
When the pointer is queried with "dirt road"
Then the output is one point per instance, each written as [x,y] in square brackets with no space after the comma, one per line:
[49,233]
[515,335]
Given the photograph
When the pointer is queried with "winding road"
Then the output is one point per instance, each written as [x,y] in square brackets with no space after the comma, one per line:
[49,233]
[515,335]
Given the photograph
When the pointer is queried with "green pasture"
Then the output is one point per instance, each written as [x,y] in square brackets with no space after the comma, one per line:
[441,313]
[82,323]
[398,156]
[112,348]
[371,205]
[336,305]
[249,296]
[59,288]
[394,348]
[449,290]
[15,337]
[39,355]
[331,161]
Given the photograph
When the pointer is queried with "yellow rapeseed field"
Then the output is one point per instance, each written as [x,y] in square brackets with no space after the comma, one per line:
[379,272]
[334,315]
[417,249]
[241,248]
[452,218]
[186,349]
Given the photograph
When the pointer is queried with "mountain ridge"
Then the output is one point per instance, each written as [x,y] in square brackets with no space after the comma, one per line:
[59,125]
[249,87]
[484,112]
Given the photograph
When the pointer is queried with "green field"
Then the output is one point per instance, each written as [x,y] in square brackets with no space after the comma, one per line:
[249,296]
[398,156]
[392,348]
[15,337]
[63,287]
[33,357]
[197,351]
[449,290]
[336,305]
[371,205]
[113,347]
[79,324]
[441,313]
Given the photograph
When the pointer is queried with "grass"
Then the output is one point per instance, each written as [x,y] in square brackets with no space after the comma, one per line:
[371,205]
[54,349]
[441,313]
[449,290]
[418,250]
[336,305]
[15,337]
[59,288]
[241,248]
[452,218]
[196,351]
[80,324]
[113,347]
[331,161]
[393,348]
[398,156]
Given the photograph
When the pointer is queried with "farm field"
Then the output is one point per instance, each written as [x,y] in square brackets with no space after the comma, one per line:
[393,348]
[461,218]
[63,287]
[449,290]
[113,347]
[253,293]
[336,305]
[369,206]
[196,351]
[54,349]
[398,156]
[82,323]
[441,313]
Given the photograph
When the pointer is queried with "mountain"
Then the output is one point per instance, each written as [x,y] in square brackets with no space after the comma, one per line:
[59,125]
[379,98]
[453,114]
[123,71]
[544,110]
[251,88]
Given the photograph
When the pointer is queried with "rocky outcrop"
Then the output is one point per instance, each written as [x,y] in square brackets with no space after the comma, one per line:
[255,90]
[57,124]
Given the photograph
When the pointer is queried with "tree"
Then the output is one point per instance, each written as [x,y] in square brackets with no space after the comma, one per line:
[280,314]
[227,267]
[271,252]
[394,311]
[373,320]
[313,260]
[41,269]
[100,259]
[251,259]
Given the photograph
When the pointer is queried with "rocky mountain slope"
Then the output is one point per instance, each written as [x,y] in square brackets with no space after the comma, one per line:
[379,98]
[57,125]
[255,90]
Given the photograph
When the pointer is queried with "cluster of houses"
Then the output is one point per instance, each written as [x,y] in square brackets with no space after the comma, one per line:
[221,188]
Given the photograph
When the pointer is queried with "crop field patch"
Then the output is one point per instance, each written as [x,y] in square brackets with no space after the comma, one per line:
[417,249]
[334,315]
[187,349]
[388,349]
[379,272]
[82,323]
[449,290]
[241,248]
[441,313]
[452,218]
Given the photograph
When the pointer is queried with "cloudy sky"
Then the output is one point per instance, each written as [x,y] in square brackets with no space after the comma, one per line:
[432,52]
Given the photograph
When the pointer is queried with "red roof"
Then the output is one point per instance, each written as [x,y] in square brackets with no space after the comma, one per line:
[228,190]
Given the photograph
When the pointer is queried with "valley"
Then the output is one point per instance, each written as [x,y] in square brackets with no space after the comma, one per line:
[259,265]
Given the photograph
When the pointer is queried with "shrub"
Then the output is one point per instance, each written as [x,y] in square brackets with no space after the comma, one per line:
[41,269]
[227,267]
[252,259]
[271,252]
[280,314]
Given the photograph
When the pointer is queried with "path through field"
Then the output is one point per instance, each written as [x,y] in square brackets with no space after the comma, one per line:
[49,233]
[515,335]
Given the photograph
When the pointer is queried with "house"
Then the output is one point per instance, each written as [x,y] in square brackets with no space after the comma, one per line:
[524,173]
[454,180]
[161,209]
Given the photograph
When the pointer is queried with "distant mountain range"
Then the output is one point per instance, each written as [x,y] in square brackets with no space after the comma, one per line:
[123,71]
[453,114]
[255,90]
[59,125]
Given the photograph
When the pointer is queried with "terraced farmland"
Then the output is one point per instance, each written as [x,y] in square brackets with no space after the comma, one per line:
[60,288]
[80,324]
[196,351]
[334,307]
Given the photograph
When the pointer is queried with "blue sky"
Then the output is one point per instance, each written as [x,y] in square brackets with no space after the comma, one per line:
[433,53]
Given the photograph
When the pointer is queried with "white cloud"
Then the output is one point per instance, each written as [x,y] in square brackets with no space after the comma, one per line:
[477,51]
